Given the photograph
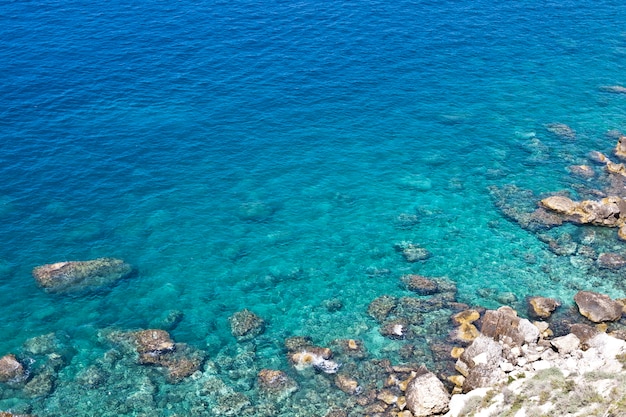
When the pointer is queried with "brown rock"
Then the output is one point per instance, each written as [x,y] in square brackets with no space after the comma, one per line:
[504,325]
[542,307]
[382,307]
[10,369]
[598,307]
[583,332]
[609,212]
[347,384]
[78,275]
[611,261]
[151,344]
[276,382]
[467,316]
[420,284]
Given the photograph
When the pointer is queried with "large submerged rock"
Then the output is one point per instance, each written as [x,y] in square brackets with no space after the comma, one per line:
[245,325]
[79,275]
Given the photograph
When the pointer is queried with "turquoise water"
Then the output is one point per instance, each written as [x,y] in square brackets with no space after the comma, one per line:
[270,157]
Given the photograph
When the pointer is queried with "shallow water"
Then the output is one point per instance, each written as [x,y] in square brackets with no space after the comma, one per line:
[246,155]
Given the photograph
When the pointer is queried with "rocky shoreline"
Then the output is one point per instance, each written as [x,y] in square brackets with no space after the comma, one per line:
[448,358]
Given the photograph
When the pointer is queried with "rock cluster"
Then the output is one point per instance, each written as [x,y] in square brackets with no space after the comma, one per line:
[80,275]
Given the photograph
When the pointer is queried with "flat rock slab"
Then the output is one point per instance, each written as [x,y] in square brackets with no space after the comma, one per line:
[80,275]
[598,307]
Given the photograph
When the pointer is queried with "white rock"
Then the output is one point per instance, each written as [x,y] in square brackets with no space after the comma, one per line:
[566,344]
[458,401]
[507,366]
[480,359]
[541,365]
[426,396]
[530,331]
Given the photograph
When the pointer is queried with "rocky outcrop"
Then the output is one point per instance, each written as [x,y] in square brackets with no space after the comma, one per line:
[609,212]
[245,325]
[11,370]
[620,147]
[542,307]
[504,325]
[598,307]
[426,396]
[80,275]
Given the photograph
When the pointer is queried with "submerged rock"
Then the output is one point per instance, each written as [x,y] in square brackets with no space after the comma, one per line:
[420,284]
[412,252]
[598,307]
[611,261]
[151,344]
[11,370]
[79,275]
[382,306]
[276,383]
[245,325]
[616,89]
[427,396]
[561,130]
[348,384]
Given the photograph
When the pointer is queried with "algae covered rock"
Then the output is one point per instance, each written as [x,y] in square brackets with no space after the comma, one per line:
[421,285]
[245,325]
[276,383]
[598,307]
[80,275]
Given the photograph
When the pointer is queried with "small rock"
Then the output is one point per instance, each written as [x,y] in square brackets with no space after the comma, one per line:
[151,344]
[584,171]
[348,384]
[542,307]
[382,307]
[413,252]
[276,382]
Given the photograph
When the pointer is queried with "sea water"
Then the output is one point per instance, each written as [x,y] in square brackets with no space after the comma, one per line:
[271,156]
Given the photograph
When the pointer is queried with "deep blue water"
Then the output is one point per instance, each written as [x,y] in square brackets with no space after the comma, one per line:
[257,155]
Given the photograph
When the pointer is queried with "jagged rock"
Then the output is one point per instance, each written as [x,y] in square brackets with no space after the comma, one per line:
[610,211]
[426,396]
[561,130]
[11,369]
[566,344]
[504,325]
[598,307]
[348,384]
[277,383]
[611,261]
[542,307]
[245,325]
[480,362]
[80,275]
[420,284]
